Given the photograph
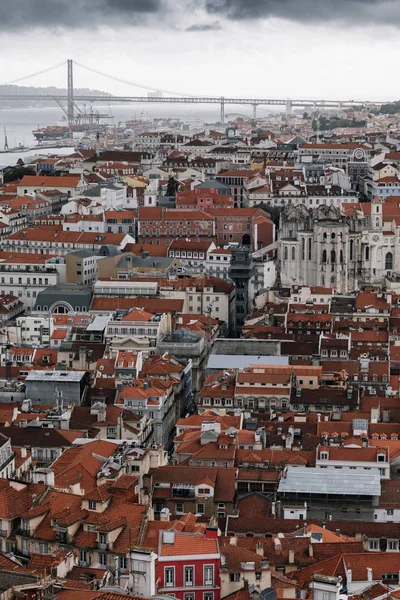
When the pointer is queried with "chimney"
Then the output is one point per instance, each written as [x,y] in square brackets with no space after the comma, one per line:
[337,531]
[349,577]
[260,548]
[310,550]
[278,544]
[23,452]
[211,533]
[233,540]
[369,574]
[168,537]
[165,515]
[291,557]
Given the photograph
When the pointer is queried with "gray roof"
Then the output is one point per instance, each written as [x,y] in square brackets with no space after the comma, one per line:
[129,261]
[71,293]
[99,323]
[313,480]
[232,361]
[95,192]
[56,376]
[84,253]
[108,250]
[181,335]
[213,184]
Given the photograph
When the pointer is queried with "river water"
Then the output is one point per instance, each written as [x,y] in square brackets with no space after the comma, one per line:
[20,122]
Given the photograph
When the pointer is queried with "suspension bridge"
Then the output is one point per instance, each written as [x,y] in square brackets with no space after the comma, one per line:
[69,100]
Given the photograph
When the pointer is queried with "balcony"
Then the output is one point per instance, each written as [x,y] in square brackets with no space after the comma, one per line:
[103,545]
[183,493]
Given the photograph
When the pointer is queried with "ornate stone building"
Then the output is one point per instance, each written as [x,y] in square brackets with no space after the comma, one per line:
[334,247]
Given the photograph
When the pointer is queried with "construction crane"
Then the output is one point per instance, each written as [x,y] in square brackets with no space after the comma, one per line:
[5,139]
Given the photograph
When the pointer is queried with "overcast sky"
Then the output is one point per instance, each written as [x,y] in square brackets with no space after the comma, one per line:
[339,49]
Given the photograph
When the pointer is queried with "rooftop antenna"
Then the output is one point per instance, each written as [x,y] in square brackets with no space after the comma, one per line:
[5,139]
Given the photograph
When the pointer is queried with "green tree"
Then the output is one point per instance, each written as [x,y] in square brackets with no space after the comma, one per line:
[17,173]
[172,186]
[273,211]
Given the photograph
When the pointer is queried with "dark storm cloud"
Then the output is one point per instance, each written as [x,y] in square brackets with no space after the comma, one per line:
[25,14]
[350,12]
[205,27]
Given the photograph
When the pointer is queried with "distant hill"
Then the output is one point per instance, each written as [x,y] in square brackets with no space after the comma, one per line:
[53,91]
[391,108]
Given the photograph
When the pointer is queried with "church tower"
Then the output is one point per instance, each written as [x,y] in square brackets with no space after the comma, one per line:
[376,213]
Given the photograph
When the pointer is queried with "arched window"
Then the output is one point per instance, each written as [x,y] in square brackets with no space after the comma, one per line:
[367,253]
[293,253]
[325,235]
[309,248]
[351,249]
[341,256]
[333,257]
[389,261]
[324,256]
[333,235]
[377,222]
[303,248]
[377,209]
[285,253]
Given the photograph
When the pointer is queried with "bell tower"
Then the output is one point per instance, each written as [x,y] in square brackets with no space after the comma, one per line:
[376,213]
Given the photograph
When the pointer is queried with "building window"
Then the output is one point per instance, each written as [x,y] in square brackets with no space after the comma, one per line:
[373,544]
[188,596]
[92,505]
[103,559]
[123,563]
[43,548]
[201,509]
[189,576]
[208,575]
[389,261]
[169,576]
[83,557]
[367,253]
[208,596]
[234,577]
[179,507]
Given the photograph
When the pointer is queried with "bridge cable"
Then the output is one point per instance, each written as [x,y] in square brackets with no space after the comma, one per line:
[62,63]
[139,85]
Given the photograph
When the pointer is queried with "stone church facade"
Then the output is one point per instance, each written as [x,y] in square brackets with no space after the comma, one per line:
[328,247]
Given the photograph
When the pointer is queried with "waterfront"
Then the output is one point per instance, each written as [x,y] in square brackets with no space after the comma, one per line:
[20,122]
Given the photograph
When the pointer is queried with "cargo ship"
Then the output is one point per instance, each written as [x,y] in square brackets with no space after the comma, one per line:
[87,120]
[52,132]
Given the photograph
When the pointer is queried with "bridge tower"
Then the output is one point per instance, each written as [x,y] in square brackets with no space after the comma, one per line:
[288,107]
[70,94]
[254,111]
[222,118]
